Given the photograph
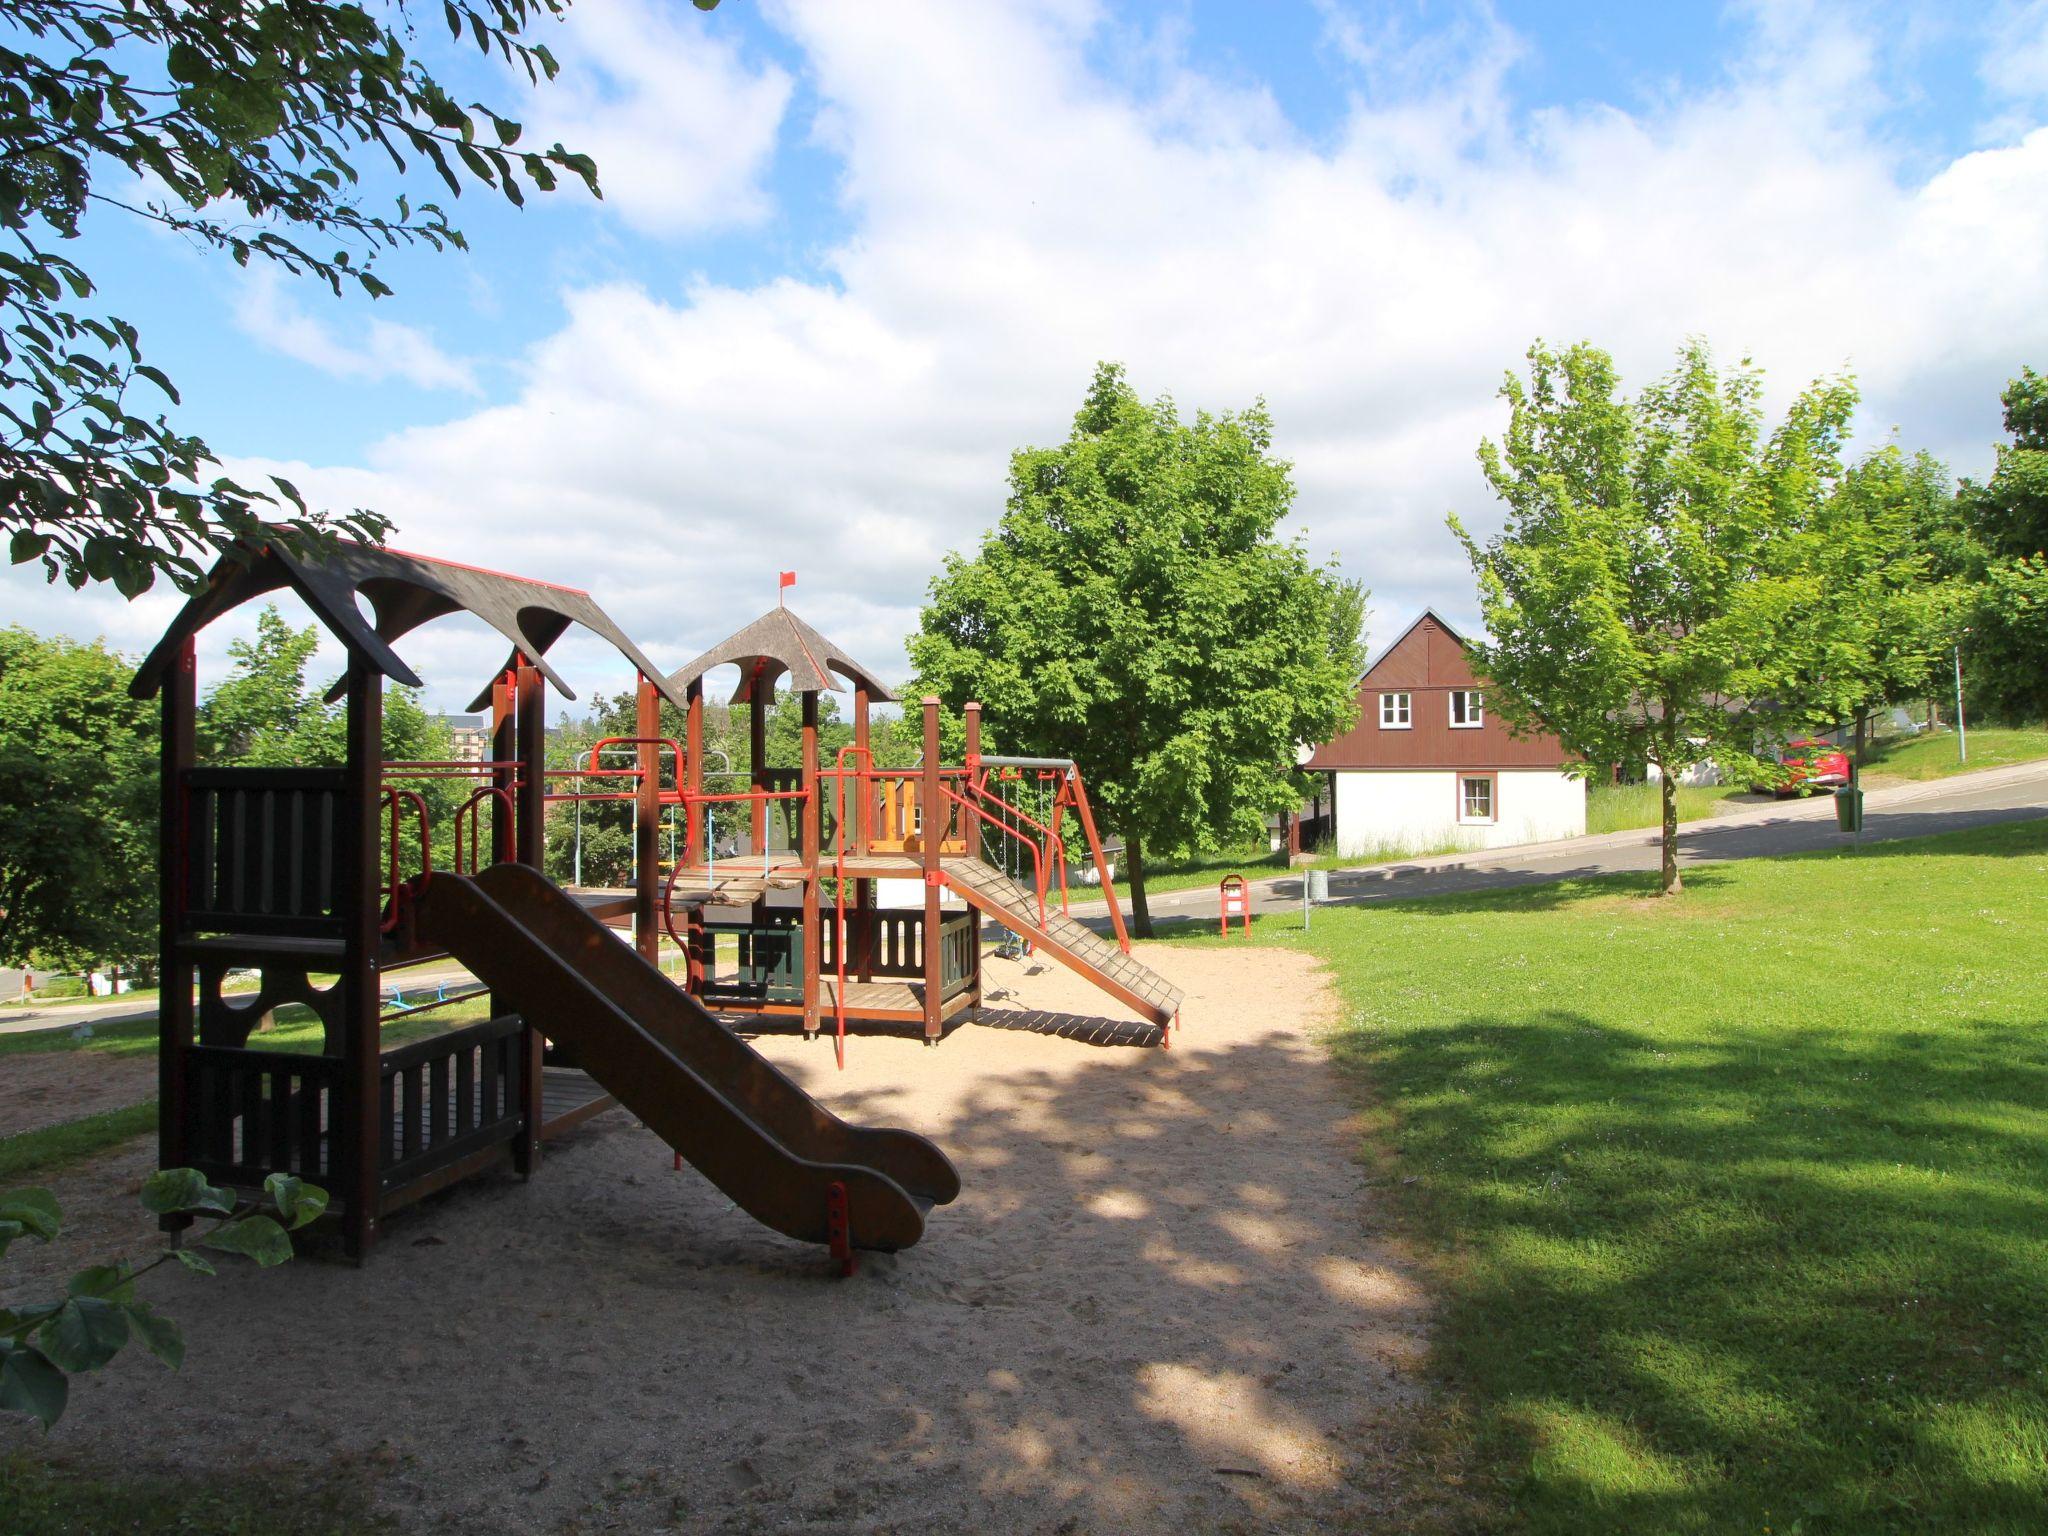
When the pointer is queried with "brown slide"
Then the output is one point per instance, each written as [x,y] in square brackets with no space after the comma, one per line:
[743,1124]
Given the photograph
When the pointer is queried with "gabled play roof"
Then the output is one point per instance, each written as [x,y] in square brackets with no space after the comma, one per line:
[404,591]
[776,643]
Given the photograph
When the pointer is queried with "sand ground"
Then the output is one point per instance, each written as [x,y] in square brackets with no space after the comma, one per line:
[1165,1302]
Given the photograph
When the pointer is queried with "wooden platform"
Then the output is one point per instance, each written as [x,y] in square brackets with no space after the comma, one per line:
[568,1097]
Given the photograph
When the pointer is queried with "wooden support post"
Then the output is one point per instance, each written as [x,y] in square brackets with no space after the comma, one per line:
[931,835]
[858,804]
[973,823]
[531,730]
[757,753]
[760,696]
[176,755]
[360,1112]
[647,828]
[812,824]
[695,848]
[504,812]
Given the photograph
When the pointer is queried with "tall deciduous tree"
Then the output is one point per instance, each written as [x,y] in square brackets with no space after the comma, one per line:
[1656,593]
[239,126]
[2008,649]
[1135,611]
[1894,562]
[77,805]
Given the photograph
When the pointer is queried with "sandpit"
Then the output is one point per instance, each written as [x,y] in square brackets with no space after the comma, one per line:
[1165,1302]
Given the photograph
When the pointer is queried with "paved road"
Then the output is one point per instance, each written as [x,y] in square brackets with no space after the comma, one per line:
[1906,810]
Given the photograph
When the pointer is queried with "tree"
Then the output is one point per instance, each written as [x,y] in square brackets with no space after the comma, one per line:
[1894,569]
[2008,645]
[1134,611]
[1656,592]
[77,805]
[238,126]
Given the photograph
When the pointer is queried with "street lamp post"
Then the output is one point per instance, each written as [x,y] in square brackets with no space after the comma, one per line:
[1962,733]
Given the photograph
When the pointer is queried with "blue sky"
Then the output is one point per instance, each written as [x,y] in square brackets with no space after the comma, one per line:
[850,257]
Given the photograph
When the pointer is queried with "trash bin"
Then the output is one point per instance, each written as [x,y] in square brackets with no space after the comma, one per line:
[1319,885]
[1849,808]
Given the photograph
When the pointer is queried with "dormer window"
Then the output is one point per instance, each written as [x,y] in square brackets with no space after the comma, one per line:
[1395,713]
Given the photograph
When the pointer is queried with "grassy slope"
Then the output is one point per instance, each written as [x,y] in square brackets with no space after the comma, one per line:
[1934,757]
[1736,1201]
[1624,807]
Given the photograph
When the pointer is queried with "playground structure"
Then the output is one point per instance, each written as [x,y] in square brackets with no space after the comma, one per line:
[305,874]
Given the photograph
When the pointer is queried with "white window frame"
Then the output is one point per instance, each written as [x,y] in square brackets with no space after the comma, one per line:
[1393,703]
[1492,816]
[1475,708]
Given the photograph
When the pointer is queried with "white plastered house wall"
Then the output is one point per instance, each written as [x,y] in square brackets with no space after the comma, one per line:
[1413,811]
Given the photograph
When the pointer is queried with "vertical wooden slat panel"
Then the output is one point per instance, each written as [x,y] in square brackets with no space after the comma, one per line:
[437,1100]
[387,1114]
[310,1092]
[490,1086]
[282,1084]
[409,1114]
[465,1091]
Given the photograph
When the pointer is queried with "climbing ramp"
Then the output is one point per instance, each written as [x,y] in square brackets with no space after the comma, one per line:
[1081,949]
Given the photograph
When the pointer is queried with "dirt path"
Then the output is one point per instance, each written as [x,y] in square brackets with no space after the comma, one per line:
[49,1087]
[1162,1304]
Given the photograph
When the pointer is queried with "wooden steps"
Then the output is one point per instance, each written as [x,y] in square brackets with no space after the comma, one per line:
[1082,949]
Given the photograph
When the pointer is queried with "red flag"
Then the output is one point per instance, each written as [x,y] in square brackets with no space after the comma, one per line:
[788,579]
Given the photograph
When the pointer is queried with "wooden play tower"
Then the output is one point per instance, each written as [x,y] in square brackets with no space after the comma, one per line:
[324,882]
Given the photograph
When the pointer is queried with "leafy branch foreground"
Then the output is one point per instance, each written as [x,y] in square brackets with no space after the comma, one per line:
[43,1345]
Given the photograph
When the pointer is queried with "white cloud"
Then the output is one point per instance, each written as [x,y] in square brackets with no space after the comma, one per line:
[1015,216]
[682,128]
[270,312]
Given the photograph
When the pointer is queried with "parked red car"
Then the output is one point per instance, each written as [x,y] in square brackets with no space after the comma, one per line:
[1807,765]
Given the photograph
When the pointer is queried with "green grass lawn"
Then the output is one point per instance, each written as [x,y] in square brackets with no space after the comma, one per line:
[79,1497]
[1934,756]
[1624,807]
[1737,1204]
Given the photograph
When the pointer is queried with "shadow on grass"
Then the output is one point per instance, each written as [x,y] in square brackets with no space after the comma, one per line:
[1789,1279]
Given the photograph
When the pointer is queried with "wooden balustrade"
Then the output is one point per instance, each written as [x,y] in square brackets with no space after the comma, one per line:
[265,850]
[957,939]
[448,1096]
[252,1113]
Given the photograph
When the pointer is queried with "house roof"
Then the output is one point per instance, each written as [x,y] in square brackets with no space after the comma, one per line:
[403,591]
[1413,624]
[776,643]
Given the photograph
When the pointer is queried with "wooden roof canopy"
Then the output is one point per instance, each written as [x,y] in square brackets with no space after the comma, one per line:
[404,591]
[776,643]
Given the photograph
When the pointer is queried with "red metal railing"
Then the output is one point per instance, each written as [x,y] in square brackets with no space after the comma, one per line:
[392,883]
[471,812]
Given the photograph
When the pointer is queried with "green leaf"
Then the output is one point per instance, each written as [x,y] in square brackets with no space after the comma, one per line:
[85,1334]
[258,1237]
[27,545]
[35,1209]
[183,1189]
[705,5]
[110,1281]
[30,1384]
[196,1262]
[297,1201]
[159,1335]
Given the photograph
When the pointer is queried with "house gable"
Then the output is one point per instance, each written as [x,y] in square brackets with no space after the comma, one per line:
[1428,662]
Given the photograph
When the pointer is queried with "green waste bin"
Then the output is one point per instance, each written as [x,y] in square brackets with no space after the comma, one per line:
[1849,808]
